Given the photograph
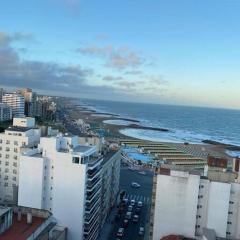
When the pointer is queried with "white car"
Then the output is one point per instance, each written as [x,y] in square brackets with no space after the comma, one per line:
[130,208]
[120,232]
[132,202]
[135,185]
[142,173]
[141,231]
[139,204]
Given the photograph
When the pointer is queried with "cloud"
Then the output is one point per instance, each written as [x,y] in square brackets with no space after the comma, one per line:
[111,78]
[134,72]
[117,58]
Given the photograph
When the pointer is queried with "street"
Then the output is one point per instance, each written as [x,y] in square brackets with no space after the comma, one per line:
[142,194]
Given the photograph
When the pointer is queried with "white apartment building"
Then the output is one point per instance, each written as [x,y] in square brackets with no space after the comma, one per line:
[5,112]
[184,204]
[22,134]
[65,178]
[16,102]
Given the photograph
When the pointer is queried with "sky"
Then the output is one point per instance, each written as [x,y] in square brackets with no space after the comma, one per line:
[172,52]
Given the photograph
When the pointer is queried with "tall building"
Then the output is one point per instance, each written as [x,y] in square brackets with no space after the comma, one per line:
[16,102]
[186,204]
[5,112]
[22,134]
[64,178]
[1,94]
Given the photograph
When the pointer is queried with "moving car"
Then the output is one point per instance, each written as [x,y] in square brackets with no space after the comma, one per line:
[125,222]
[130,208]
[135,185]
[132,202]
[120,232]
[128,215]
[135,218]
[142,173]
[141,231]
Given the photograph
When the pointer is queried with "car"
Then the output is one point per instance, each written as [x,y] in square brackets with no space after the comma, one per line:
[125,222]
[142,173]
[141,231]
[130,208]
[139,204]
[125,201]
[138,210]
[120,232]
[135,185]
[128,215]
[135,218]
[132,202]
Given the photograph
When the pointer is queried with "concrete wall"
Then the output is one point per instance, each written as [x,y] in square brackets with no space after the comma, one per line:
[176,205]
[218,204]
[31,182]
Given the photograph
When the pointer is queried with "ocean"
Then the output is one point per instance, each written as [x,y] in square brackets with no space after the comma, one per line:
[185,124]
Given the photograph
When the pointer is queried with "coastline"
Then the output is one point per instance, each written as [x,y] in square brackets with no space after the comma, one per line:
[96,118]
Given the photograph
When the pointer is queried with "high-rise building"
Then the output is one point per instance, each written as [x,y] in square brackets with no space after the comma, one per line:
[1,94]
[64,178]
[186,204]
[5,112]
[22,134]
[16,102]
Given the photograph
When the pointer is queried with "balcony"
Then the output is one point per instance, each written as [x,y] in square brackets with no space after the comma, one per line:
[91,195]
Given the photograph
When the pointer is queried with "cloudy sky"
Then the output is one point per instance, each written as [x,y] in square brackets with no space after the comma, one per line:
[174,52]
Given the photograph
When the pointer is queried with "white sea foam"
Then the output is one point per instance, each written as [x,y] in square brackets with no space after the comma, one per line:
[118,122]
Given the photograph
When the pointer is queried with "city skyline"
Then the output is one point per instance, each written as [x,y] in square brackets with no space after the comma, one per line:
[172,53]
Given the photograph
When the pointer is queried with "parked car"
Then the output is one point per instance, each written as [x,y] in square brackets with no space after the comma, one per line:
[132,202]
[128,215]
[139,204]
[135,218]
[130,208]
[142,173]
[135,185]
[120,232]
[141,231]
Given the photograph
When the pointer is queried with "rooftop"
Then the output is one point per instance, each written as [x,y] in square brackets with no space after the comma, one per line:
[21,230]
[18,129]
[81,148]
[3,210]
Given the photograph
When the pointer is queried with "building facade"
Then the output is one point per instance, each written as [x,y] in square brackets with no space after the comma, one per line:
[5,112]
[64,178]
[22,134]
[185,204]
[16,102]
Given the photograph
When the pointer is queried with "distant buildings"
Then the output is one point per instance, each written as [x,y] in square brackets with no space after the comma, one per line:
[16,102]
[185,204]
[68,180]
[5,112]
[22,134]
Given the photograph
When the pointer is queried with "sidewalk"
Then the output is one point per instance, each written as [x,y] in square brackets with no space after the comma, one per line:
[108,226]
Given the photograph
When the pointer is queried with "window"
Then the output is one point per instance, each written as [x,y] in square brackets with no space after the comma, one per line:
[15,150]
[230,223]
[75,160]
[231,202]
[228,233]
[14,179]
[7,142]
[6,163]
[6,178]
[5,184]
[16,143]
[0,155]
[1,140]
[15,164]
[230,212]
[15,157]
[6,170]
[7,156]
[7,149]
[14,171]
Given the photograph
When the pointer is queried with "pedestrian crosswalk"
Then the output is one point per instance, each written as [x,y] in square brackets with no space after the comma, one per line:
[137,198]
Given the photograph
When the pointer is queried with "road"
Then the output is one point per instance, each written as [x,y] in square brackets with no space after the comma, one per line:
[138,194]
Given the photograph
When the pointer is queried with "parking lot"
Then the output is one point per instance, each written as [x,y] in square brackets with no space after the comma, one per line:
[142,194]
